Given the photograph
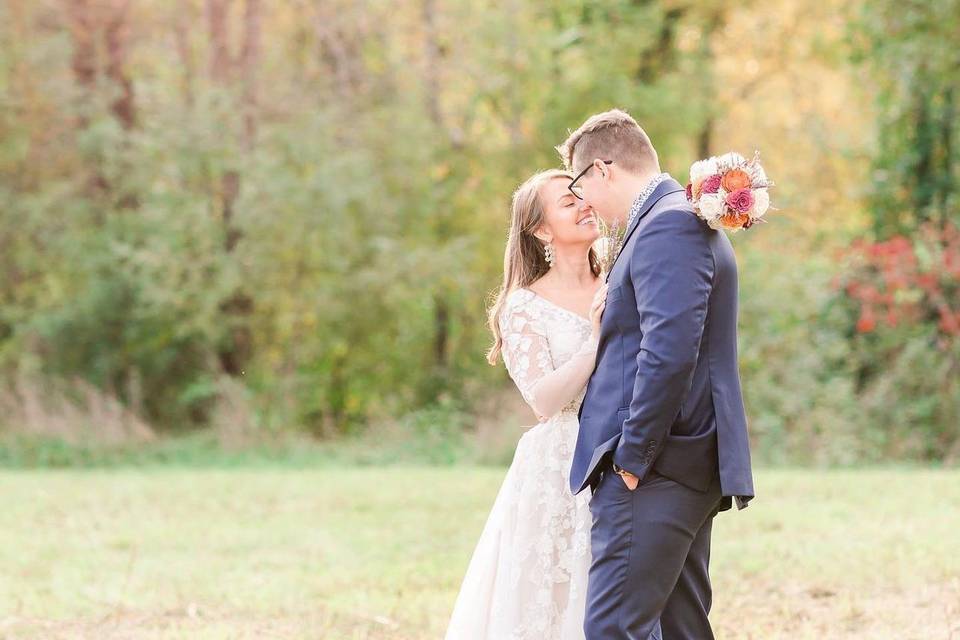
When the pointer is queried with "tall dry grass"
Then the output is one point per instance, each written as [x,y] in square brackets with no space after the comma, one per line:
[69,409]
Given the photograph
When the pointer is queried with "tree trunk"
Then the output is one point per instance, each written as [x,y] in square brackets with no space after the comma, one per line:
[217,11]
[249,61]
[109,23]
[116,36]
[705,138]
[947,122]
[181,32]
[238,307]
[83,32]
[432,54]
[662,57]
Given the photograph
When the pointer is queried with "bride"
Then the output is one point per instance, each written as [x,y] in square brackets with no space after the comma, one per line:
[527,577]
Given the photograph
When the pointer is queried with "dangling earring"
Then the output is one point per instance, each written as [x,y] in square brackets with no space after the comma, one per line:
[548,253]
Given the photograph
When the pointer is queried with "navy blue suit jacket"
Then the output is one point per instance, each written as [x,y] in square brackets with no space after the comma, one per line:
[665,392]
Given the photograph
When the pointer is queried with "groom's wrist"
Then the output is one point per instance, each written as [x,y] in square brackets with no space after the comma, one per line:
[621,471]
[627,463]
[637,459]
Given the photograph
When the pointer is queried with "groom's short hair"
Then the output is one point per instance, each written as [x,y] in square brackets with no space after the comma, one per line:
[611,135]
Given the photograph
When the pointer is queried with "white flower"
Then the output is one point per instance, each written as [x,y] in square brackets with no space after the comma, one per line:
[761,202]
[711,206]
[715,223]
[702,169]
[757,175]
[730,160]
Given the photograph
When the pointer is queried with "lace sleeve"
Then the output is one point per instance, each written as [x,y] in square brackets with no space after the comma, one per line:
[526,354]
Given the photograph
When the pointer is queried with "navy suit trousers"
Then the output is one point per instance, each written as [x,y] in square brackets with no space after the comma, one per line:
[649,577]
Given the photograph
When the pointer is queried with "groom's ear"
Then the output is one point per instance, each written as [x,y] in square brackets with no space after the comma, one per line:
[603,170]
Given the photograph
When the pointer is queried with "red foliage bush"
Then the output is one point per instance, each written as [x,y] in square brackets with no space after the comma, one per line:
[904,281]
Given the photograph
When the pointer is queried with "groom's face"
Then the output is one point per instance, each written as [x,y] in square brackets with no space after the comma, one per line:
[596,188]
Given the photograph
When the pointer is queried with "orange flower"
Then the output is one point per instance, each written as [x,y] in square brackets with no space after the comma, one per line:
[696,188]
[735,179]
[734,220]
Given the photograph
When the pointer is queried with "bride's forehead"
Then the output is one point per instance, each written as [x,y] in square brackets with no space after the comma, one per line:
[555,189]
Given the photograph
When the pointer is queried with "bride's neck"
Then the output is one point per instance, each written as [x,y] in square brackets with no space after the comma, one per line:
[570,270]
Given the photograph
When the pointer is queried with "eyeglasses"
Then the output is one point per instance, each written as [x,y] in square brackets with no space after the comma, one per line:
[576,189]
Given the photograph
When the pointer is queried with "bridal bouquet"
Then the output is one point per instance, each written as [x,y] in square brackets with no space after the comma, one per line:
[608,244]
[729,191]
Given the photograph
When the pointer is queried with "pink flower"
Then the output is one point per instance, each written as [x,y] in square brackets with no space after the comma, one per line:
[711,184]
[740,200]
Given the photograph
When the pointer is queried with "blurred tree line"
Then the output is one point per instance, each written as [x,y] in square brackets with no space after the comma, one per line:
[291,214]
[902,276]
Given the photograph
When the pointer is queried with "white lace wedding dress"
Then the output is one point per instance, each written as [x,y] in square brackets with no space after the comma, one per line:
[527,577]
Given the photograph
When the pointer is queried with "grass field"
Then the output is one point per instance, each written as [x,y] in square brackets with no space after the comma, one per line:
[362,553]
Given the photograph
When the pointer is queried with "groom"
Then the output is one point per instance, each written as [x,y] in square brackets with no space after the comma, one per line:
[663,436]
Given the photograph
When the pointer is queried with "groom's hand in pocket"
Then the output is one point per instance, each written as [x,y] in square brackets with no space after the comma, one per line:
[628,478]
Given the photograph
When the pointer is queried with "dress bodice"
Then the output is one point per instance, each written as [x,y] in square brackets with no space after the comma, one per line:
[539,336]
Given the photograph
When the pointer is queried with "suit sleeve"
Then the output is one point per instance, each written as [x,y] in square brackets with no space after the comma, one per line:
[672,269]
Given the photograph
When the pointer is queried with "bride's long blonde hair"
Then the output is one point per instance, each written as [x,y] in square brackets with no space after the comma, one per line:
[523,259]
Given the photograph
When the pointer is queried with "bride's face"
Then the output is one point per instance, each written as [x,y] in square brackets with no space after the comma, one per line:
[566,220]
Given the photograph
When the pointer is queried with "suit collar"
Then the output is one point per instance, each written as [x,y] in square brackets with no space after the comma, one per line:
[663,189]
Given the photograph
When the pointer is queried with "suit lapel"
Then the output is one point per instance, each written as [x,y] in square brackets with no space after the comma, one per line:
[665,188]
